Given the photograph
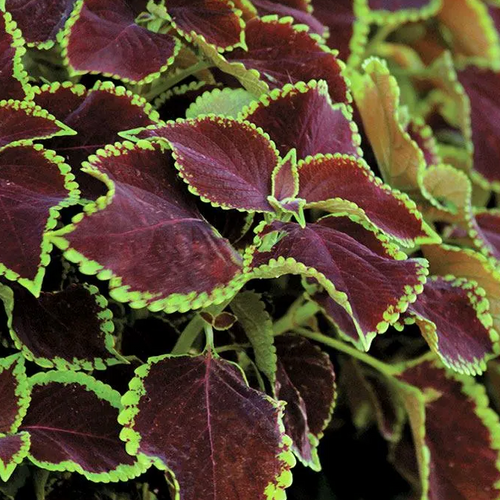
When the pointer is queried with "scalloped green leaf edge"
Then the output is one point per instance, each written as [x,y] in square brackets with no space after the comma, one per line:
[117,290]
[132,438]
[275,268]
[103,392]
[6,469]
[107,327]
[402,16]
[35,285]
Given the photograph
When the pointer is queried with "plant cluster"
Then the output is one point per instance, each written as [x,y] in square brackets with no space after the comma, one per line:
[210,210]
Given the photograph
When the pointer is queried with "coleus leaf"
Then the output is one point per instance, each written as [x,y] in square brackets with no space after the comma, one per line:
[455,433]
[224,102]
[70,329]
[23,121]
[13,77]
[280,53]
[220,424]
[481,86]
[486,232]
[377,96]
[302,116]
[13,449]
[397,11]
[327,181]
[42,21]
[72,423]
[335,251]
[460,333]
[216,23]
[101,36]
[258,326]
[306,381]
[147,236]
[14,393]
[34,185]
[97,115]
[300,10]
[225,161]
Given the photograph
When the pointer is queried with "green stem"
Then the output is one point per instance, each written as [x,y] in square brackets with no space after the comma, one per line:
[182,75]
[379,37]
[380,366]
[297,315]
[232,347]
[209,334]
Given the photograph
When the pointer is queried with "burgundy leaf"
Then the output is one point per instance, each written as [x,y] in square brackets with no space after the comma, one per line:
[302,116]
[103,37]
[487,231]
[454,318]
[337,252]
[460,434]
[401,5]
[282,54]
[306,381]
[12,451]
[13,78]
[331,177]
[197,417]
[97,115]
[148,236]
[14,393]
[300,10]
[216,22]
[40,20]
[70,329]
[223,160]
[22,121]
[285,179]
[482,88]
[34,185]
[72,423]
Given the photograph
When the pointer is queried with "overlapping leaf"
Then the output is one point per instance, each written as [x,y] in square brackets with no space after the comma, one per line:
[71,329]
[455,432]
[72,423]
[336,251]
[226,102]
[34,185]
[97,115]
[40,21]
[385,11]
[147,236]
[279,53]
[13,77]
[453,316]
[216,23]
[102,36]
[306,381]
[13,449]
[220,424]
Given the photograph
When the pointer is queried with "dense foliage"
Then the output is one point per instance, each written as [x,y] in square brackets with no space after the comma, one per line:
[210,210]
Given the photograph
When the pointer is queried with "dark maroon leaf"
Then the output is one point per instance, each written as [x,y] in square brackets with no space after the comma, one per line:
[216,22]
[306,381]
[298,9]
[12,74]
[103,37]
[72,422]
[197,417]
[482,88]
[34,185]
[336,252]
[22,121]
[487,231]
[332,177]
[454,318]
[70,329]
[458,449]
[97,115]
[283,54]
[398,5]
[225,161]
[14,393]
[40,20]
[12,451]
[149,238]
[303,117]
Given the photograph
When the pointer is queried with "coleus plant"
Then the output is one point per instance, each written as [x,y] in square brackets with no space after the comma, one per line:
[211,211]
